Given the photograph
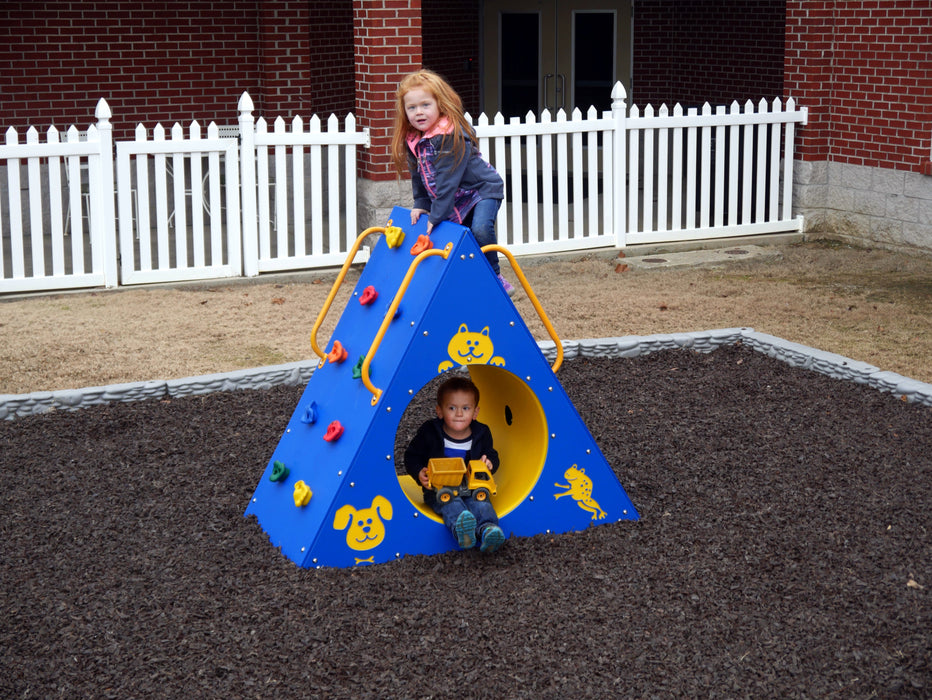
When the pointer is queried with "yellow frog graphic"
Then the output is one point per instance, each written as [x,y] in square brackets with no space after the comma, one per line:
[470,348]
[580,488]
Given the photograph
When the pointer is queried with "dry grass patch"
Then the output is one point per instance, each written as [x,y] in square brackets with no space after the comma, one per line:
[870,305]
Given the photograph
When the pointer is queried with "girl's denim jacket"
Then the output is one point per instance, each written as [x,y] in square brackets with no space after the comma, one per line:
[444,187]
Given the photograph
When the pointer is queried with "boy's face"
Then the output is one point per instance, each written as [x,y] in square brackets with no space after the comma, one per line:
[457,412]
[421,109]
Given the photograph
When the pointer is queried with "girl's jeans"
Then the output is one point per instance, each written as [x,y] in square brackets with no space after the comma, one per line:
[481,220]
[481,510]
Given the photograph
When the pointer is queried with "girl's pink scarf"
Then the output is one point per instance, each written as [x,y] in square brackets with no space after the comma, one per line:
[443,126]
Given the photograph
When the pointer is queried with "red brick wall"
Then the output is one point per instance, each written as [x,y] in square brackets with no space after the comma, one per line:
[695,51]
[860,66]
[862,69]
[451,46]
[387,40]
[808,71]
[332,84]
[172,61]
[284,59]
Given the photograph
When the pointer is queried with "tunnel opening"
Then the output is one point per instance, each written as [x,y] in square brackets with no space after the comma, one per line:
[519,430]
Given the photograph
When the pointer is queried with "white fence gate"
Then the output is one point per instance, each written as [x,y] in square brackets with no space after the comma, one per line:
[287,178]
[246,200]
[708,175]
[157,248]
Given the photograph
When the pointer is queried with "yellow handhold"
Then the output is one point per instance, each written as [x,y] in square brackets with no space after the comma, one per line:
[394,236]
[302,494]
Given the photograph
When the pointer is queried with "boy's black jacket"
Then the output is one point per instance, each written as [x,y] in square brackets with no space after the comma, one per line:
[427,443]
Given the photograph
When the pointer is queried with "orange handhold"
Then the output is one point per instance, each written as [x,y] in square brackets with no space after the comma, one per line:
[334,431]
[337,353]
[368,295]
[394,236]
[423,243]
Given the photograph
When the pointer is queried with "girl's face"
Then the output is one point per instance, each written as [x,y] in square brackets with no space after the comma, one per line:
[421,109]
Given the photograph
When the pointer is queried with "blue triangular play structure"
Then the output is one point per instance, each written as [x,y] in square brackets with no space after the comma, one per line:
[331,496]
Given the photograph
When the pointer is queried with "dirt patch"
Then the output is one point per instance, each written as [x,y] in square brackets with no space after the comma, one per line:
[783,551]
[869,305]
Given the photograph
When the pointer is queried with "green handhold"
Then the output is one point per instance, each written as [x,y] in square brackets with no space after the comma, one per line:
[279,471]
[357,369]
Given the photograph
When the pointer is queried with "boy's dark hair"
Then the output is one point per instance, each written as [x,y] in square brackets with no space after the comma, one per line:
[457,383]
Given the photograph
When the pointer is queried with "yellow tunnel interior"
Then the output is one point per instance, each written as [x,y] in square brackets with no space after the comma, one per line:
[519,430]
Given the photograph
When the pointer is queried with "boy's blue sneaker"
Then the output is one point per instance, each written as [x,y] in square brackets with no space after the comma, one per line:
[492,539]
[465,530]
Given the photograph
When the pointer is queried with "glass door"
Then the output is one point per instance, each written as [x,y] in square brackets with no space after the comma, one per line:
[554,54]
[519,38]
[588,64]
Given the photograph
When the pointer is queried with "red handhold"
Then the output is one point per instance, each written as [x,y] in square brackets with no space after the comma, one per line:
[368,295]
[337,353]
[334,431]
[423,243]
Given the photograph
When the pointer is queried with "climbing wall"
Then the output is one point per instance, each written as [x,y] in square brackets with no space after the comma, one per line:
[330,495]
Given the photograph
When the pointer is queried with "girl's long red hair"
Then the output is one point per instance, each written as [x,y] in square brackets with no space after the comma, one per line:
[449,105]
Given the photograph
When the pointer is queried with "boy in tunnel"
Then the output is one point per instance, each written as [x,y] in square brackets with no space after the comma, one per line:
[455,432]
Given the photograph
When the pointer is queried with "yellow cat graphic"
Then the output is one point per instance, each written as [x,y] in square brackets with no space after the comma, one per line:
[470,348]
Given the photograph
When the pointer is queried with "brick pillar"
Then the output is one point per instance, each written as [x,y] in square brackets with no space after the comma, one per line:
[387,43]
[863,166]
[807,77]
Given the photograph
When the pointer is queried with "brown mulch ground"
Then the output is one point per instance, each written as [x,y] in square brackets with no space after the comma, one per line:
[784,550]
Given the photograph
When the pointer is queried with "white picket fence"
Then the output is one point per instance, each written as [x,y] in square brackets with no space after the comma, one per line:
[246,200]
[708,174]
[234,227]
[59,252]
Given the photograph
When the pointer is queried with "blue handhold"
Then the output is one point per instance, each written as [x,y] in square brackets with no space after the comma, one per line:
[310,414]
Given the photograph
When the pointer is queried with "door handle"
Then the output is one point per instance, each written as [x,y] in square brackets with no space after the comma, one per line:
[561,90]
[546,90]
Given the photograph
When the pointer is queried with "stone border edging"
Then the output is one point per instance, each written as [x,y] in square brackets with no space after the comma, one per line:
[293,373]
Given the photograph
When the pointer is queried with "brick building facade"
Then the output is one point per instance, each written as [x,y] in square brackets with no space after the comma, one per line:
[864,163]
[865,158]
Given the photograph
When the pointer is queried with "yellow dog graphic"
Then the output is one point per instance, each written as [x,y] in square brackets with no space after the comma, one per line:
[366,529]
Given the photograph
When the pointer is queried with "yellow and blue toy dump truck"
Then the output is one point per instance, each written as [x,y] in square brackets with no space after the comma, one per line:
[451,477]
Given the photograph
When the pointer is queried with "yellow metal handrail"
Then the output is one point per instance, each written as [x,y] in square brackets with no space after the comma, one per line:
[533,297]
[390,315]
[336,286]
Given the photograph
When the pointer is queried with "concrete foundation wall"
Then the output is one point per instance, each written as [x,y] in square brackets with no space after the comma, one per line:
[865,205]
[376,198]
